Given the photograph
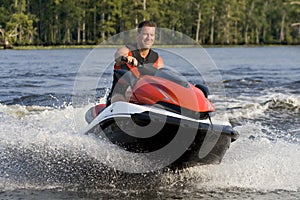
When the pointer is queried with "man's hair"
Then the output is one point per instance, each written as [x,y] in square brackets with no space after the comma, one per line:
[146,23]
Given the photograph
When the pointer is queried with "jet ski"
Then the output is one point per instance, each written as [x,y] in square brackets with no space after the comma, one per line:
[165,111]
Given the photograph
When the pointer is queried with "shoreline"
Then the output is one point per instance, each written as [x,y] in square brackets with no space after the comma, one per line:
[43,47]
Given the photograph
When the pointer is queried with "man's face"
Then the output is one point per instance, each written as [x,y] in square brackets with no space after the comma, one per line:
[145,38]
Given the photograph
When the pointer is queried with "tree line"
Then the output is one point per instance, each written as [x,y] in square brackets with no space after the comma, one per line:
[63,22]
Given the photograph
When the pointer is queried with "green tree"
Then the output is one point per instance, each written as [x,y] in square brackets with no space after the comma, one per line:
[207,21]
[294,16]
[19,28]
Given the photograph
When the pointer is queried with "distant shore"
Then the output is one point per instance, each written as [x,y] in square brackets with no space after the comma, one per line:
[41,47]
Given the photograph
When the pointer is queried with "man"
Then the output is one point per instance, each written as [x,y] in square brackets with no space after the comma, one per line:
[140,52]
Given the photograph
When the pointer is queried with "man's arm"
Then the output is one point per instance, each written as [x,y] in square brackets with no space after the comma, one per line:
[123,51]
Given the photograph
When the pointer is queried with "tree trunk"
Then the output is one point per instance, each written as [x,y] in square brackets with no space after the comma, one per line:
[212,28]
[5,42]
[299,34]
[2,31]
[257,35]
[236,32]
[295,2]
[282,28]
[144,8]
[227,27]
[264,28]
[95,24]
[198,22]
[20,34]
[7,45]
[102,22]
[83,27]
[247,23]
[55,30]
[297,24]
[68,36]
[78,33]
[136,20]
[246,33]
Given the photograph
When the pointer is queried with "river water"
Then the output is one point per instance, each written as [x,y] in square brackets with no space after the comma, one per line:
[45,93]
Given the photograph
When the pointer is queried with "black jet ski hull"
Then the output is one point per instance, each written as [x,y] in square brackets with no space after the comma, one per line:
[147,131]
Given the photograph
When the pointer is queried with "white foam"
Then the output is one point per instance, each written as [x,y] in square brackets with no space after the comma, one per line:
[57,129]
[258,164]
[253,161]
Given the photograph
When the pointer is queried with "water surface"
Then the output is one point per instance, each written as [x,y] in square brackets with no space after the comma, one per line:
[43,156]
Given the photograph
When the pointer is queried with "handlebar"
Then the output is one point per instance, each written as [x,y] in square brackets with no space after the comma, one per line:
[143,69]
[125,59]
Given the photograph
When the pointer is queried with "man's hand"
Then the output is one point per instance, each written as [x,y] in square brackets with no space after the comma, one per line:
[123,51]
[132,61]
